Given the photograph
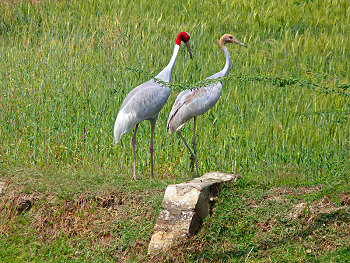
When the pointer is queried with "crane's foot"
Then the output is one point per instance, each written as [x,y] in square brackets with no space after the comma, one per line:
[134,177]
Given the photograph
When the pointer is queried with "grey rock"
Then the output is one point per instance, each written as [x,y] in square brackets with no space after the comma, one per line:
[184,207]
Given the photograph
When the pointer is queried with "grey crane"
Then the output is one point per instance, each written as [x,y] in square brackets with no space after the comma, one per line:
[191,103]
[145,102]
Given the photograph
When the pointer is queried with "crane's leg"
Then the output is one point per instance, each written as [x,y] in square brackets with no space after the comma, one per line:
[195,144]
[133,151]
[151,150]
[189,149]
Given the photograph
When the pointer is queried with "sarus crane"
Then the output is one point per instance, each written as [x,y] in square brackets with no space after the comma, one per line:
[191,103]
[145,102]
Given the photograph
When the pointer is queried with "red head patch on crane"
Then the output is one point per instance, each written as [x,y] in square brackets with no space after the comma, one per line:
[183,36]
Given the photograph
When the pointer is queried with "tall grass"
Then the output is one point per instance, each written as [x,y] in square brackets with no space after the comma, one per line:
[63,77]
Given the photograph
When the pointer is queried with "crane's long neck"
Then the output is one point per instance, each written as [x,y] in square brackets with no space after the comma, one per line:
[227,67]
[165,74]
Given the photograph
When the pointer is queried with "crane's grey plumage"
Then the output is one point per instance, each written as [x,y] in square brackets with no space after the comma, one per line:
[145,102]
[142,103]
[191,103]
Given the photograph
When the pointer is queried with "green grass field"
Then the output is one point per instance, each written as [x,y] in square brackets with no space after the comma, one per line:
[66,67]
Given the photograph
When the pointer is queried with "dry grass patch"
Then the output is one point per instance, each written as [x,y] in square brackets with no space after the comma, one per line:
[116,221]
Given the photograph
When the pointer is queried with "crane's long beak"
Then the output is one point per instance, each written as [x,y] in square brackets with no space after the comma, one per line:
[240,43]
[188,48]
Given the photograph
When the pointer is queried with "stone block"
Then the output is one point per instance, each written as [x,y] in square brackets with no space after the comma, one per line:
[184,207]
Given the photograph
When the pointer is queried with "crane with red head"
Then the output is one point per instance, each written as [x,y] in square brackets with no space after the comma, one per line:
[145,102]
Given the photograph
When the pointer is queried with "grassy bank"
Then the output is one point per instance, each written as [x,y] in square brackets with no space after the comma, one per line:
[249,222]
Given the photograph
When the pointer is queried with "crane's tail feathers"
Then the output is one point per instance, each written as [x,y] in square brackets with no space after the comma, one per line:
[170,131]
[170,124]
[118,132]
[169,128]
[117,137]
[123,124]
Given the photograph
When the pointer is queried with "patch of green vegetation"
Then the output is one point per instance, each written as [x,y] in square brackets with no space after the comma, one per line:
[255,224]
[65,70]
[64,75]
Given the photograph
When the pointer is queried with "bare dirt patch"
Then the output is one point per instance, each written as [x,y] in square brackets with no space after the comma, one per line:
[95,217]
[3,186]
[345,199]
[319,225]
[280,193]
[50,216]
